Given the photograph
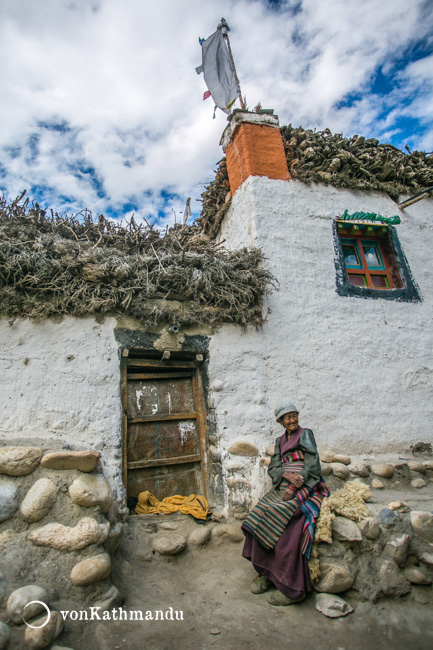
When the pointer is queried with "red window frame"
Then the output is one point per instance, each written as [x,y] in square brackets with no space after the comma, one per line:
[368,272]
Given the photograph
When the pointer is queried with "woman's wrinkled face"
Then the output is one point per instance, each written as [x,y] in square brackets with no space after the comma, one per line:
[290,421]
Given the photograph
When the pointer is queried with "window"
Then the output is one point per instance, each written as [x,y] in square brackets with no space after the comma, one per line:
[370,263]
[366,264]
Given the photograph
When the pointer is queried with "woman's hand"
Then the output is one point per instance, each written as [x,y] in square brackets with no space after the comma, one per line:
[288,494]
[295,479]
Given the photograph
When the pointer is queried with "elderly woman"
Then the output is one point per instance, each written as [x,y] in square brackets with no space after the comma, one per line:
[279,530]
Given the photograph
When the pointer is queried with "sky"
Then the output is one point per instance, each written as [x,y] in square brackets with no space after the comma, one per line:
[101,106]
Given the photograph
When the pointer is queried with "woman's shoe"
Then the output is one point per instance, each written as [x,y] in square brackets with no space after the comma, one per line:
[278,598]
[260,585]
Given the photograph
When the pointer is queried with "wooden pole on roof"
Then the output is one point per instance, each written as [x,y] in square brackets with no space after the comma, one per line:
[414,199]
[225,29]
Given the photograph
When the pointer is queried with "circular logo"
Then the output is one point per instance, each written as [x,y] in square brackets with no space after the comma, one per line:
[36,627]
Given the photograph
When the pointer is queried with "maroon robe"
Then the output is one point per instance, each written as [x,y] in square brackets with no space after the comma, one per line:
[284,565]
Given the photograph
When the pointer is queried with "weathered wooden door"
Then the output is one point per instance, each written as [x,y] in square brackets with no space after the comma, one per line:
[164,428]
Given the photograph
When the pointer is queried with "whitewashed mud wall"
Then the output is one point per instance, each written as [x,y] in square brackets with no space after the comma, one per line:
[61,384]
[360,370]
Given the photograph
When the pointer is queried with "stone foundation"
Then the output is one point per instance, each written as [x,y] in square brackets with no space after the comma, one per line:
[58,530]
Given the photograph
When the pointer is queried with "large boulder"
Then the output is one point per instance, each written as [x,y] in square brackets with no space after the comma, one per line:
[383,470]
[359,468]
[332,606]
[91,490]
[392,582]
[425,557]
[422,524]
[93,569]
[227,533]
[84,461]
[169,544]
[5,635]
[238,483]
[335,578]
[327,456]
[39,500]
[42,637]
[342,458]
[64,538]
[418,483]
[19,461]
[8,501]
[243,448]
[326,469]
[270,449]
[417,466]
[346,530]
[340,471]
[18,607]
[388,517]
[199,537]
[370,527]
[397,549]
[417,576]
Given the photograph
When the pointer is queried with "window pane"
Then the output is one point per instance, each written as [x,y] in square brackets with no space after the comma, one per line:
[358,280]
[350,255]
[372,255]
[380,281]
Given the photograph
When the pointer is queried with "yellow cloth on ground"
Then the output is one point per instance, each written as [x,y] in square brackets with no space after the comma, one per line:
[194,505]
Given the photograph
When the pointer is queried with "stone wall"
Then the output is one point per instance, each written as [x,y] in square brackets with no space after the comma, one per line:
[58,530]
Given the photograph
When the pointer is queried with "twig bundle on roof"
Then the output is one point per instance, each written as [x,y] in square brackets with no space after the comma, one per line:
[321,157]
[52,264]
[355,162]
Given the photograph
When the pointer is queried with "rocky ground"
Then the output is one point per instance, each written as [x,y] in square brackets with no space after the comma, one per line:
[193,576]
[210,586]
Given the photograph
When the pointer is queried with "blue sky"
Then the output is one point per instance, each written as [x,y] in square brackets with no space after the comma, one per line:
[101,107]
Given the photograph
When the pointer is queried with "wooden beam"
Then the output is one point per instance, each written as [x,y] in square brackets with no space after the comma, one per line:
[156,363]
[201,429]
[124,425]
[158,462]
[158,375]
[164,418]
[414,199]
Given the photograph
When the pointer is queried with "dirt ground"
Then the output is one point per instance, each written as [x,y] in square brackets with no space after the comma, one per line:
[210,586]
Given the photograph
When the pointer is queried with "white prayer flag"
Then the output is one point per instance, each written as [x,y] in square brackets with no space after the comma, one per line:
[218,72]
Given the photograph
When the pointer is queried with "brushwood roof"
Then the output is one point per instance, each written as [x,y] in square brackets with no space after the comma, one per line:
[322,157]
[56,265]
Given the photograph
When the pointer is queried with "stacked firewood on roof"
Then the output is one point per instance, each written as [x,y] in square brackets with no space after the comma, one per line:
[216,201]
[321,157]
[52,264]
[356,162]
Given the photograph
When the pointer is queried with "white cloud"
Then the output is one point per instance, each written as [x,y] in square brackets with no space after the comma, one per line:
[117,81]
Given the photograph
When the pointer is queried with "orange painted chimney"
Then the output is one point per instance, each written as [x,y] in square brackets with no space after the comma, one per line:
[253,146]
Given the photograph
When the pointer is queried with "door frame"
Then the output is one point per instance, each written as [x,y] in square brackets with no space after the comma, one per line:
[149,360]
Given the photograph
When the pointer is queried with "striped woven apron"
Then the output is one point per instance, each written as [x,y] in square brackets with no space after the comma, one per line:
[268,519]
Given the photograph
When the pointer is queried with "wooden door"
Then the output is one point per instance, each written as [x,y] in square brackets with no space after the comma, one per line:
[164,442]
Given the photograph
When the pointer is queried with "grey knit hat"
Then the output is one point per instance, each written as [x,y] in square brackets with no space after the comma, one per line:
[282,410]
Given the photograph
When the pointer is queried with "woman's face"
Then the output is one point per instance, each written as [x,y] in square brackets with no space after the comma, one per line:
[290,421]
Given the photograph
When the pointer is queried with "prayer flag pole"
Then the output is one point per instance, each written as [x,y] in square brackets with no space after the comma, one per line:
[223,26]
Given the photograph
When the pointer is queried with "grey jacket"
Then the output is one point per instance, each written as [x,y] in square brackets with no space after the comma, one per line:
[312,469]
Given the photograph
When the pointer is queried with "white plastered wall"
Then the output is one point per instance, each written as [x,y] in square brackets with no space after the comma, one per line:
[61,384]
[360,370]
